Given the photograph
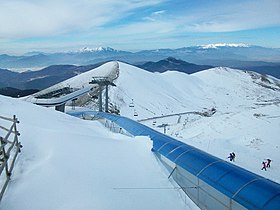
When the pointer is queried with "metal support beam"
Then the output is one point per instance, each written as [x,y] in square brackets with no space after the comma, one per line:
[164,125]
[100,98]
[102,81]
[60,108]
[172,172]
[106,98]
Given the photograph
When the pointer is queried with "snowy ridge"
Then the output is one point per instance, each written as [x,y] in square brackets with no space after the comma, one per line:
[215,46]
[97,49]
[81,81]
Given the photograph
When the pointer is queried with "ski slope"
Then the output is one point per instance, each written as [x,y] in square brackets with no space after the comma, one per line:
[247,118]
[78,164]
[69,163]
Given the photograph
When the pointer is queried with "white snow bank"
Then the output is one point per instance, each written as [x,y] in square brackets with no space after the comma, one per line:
[68,163]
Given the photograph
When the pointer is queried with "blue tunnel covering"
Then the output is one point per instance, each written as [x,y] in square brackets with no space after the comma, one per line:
[248,189]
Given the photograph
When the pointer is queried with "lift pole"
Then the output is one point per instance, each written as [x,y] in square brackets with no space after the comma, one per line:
[102,81]
[100,98]
[106,98]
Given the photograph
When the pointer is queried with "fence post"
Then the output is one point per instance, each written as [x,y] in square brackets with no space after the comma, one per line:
[7,161]
[17,143]
[5,157]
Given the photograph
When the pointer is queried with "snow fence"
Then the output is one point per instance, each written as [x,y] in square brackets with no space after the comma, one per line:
[210,182]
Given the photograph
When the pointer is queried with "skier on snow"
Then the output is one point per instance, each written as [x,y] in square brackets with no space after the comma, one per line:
[233,156]
[230,156]
[264,165]
[268,163]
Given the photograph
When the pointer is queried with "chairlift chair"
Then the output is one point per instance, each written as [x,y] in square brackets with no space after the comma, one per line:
[131,104]
[135,114]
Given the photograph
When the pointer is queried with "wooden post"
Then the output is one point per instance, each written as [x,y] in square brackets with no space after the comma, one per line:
[6,152]
[5,157]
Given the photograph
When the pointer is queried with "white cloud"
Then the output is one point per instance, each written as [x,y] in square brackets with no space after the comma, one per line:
[159,12]
[31,18]
[241,16]
[155,15]
[91,22]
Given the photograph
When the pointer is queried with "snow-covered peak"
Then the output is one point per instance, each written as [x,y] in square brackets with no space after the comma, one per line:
[207,46]
[97,49]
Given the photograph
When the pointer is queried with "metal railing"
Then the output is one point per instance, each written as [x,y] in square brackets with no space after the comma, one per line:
[9,149]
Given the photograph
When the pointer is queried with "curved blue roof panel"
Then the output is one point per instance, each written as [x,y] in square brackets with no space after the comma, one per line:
[258,194]
[195,161]
[248,189]
[168,147]
[273,203]
[175,154]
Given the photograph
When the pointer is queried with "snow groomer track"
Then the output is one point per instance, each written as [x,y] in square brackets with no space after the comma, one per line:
[210,182]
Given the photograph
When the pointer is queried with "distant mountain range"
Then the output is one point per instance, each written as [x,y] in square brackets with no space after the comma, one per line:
[51,75]
[43,78]
[14,92]
[46,77]
[173,64]
[232,55]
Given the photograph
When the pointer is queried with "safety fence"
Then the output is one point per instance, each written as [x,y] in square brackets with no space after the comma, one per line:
[212,183]
[9,149]
[113,127]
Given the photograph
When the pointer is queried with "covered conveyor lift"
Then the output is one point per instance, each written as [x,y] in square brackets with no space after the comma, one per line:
[210,182]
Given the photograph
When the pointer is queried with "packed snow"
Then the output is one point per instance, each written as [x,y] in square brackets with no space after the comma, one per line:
[68,163]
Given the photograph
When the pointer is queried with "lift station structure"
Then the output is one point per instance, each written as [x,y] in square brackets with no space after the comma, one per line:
[102,82]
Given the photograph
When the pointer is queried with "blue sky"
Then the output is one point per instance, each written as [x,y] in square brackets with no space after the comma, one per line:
[62,25]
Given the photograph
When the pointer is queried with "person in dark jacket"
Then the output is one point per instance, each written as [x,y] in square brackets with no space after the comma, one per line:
[233,156]
[230,156]
[264,165]
[268,163]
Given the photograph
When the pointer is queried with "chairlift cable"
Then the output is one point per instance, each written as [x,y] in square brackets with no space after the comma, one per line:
[136,103]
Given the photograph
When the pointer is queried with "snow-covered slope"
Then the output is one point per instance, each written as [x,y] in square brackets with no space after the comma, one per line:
[155,94]
[219,110]
[109,69]
[69,163]
[247,118]
[246,106]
